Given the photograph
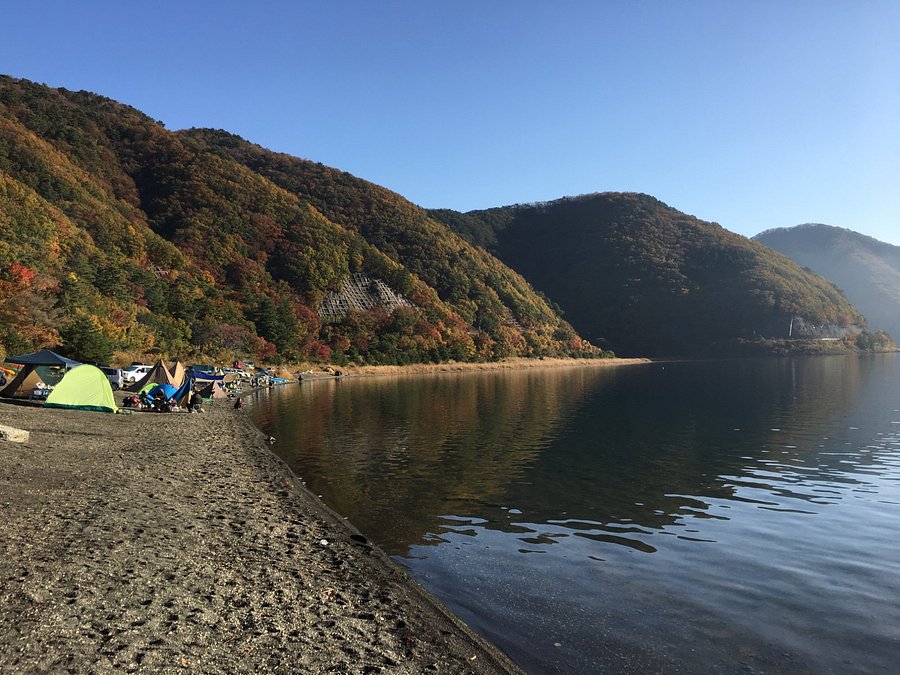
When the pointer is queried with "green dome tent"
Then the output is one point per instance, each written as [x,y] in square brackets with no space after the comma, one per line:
[83,388]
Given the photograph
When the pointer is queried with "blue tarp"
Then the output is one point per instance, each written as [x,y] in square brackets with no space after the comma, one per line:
[184,390]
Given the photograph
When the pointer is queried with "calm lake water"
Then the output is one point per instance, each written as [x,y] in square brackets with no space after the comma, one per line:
[729,516]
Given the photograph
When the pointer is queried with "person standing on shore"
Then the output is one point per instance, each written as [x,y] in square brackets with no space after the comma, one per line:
[238,404]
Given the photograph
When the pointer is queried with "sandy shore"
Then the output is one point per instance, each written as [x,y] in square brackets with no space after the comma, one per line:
[168,543]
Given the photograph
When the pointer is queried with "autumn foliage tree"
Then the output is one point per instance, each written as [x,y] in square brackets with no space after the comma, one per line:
[28,313]
[199,242]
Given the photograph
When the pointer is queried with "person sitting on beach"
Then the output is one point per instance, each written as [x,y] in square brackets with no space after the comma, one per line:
[238,404]
[163,404]
[195,402]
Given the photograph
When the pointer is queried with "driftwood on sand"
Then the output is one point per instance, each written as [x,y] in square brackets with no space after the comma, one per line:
[155,543]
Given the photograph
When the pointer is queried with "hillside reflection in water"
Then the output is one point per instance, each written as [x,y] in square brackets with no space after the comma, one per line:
[717,515]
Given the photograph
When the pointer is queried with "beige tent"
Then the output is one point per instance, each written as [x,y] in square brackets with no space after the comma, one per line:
[160,375]
[213,390]
[178,373]
[22,384]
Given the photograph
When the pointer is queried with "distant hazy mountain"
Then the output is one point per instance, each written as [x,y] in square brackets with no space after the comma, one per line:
[647,279]
[867,270]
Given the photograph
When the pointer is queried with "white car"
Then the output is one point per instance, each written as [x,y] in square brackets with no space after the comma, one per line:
[134,373]
[114,375]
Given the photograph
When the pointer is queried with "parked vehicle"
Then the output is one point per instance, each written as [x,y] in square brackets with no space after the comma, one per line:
[134,373]
[114,375]
[242,374]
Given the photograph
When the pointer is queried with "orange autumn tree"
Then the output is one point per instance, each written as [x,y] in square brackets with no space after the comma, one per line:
[28,312]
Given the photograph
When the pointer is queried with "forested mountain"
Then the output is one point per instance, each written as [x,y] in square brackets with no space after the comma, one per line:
[867,270]
[640,277]
[119,235]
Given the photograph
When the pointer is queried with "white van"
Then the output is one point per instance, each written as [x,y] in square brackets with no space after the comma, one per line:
[134,373]
[114,375]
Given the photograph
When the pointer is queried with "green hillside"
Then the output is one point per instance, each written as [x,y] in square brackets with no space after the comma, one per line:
[865,269]
[117,235]
[639,277]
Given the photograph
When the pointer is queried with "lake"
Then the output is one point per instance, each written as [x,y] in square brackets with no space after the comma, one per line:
[720,516]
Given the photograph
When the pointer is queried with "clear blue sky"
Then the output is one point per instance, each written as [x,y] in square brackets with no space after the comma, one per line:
[753,114]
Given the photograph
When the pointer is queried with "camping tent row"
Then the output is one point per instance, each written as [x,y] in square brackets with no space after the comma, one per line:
[43,365]
[86,387]
[209,388]
[82,386]
[159,374]
[178,375]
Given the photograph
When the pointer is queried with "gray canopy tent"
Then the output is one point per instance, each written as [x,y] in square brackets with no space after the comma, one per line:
[23,383]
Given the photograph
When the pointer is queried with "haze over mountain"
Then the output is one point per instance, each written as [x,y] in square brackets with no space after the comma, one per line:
[867,270]
[644,278]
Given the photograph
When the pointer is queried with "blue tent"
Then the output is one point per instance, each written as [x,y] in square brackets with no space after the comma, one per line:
[166,390]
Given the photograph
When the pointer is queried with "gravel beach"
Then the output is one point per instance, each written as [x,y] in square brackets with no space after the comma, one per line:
[178,542]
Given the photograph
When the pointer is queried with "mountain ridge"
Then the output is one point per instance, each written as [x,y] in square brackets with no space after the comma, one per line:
[865,268]
[666,283]
[120,236]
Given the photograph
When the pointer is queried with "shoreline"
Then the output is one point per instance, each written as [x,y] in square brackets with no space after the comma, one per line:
[477,366]
[170,542]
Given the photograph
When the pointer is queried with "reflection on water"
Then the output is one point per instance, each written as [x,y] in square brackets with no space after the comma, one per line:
[393,455]
[710,517]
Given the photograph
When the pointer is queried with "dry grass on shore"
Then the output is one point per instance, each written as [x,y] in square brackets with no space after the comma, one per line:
[459,367]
